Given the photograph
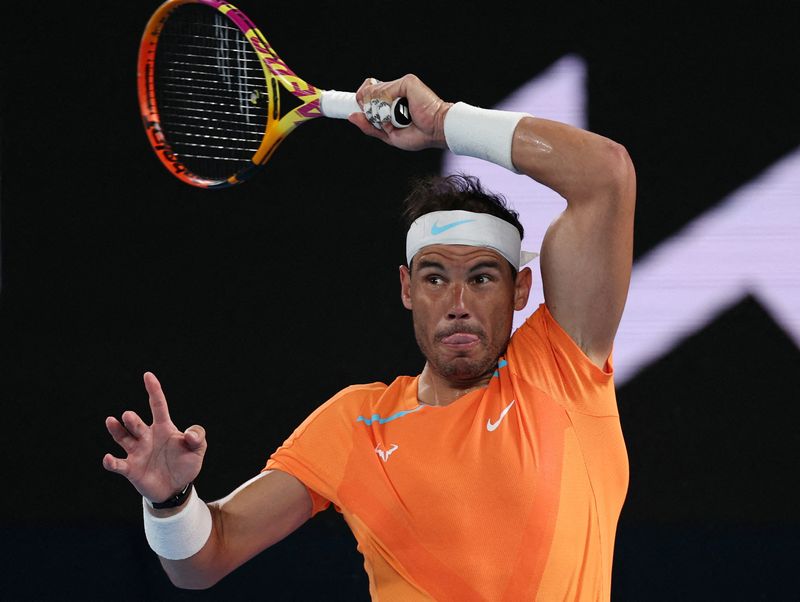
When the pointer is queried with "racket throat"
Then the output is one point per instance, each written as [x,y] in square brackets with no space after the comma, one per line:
[285,101]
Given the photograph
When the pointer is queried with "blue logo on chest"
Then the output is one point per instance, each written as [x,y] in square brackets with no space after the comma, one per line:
[377,418]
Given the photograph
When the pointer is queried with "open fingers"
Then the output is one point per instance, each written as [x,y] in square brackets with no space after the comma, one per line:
[158,402]
[128,431]
[134,425]
[117,430]
[117,465]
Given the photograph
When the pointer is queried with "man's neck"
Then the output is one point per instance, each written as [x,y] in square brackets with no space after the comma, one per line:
[434,390]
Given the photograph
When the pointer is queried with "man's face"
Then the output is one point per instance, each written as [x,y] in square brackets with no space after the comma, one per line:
[463,300]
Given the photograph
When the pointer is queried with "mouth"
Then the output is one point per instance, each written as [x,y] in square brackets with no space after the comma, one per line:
[460,339]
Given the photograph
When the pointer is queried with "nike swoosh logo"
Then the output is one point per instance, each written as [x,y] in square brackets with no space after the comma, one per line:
[490,426]
[437,229]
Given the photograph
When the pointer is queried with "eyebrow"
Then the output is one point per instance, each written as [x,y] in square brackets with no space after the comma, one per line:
[485,265]
[427,263]
[490,264]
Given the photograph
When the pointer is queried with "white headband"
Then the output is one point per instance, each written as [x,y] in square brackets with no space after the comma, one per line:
[467,228]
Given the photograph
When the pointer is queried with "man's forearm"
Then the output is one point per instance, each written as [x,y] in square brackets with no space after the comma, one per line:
[203,569]
[253,517]
[577,164]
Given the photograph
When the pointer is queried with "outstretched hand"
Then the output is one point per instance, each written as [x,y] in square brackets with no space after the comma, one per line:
[161,460]
[426,108]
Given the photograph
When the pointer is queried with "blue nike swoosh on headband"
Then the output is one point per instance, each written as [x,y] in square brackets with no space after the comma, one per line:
[436,229]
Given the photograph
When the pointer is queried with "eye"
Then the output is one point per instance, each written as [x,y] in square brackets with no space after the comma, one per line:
[434,279]
[482,279]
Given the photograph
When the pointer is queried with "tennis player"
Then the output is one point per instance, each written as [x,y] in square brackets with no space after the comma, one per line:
[498,472]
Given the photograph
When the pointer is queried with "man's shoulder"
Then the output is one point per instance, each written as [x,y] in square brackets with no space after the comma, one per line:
[358,396]
[361,390]
[543,354]
[534,329]
[357,404]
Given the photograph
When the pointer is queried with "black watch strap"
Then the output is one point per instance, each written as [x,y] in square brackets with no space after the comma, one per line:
[176,500]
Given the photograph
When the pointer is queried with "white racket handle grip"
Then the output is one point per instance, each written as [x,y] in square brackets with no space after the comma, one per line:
[340,105]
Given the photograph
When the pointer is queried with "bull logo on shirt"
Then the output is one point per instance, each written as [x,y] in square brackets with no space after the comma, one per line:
[385,453]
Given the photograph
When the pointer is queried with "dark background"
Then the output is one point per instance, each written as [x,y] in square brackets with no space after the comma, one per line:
[110,267]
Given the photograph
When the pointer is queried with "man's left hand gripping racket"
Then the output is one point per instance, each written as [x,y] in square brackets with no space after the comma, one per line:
[209,94]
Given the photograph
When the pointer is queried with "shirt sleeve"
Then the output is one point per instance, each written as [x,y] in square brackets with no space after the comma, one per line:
[542,353]
[316,453]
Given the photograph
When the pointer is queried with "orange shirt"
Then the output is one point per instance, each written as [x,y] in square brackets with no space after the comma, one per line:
[512,492]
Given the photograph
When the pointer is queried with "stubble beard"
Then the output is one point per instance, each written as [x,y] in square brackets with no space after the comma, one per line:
[460,369]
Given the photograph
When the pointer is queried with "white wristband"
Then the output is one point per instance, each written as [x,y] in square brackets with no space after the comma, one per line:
[181,535]
[482,133]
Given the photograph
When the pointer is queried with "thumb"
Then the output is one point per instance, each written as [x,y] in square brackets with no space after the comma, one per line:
[195,438]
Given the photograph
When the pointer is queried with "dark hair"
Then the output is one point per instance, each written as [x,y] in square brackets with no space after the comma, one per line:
[456,191]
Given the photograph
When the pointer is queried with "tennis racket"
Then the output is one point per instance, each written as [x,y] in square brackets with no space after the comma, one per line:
[209,89]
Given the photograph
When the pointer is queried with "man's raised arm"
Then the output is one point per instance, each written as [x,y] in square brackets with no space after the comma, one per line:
[587,252]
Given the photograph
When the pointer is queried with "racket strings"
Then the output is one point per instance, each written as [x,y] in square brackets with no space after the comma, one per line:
[211,92]
[185,88]
[183,71]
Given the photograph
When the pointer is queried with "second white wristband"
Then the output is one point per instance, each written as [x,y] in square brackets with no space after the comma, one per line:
[181,535]
[482,133]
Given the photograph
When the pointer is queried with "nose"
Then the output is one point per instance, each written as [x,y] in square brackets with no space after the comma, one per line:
[458,308]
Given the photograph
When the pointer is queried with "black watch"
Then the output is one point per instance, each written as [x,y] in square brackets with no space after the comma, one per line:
[176,500]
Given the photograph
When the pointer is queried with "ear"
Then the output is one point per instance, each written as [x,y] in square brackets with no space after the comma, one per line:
[522,288]
[405,287]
